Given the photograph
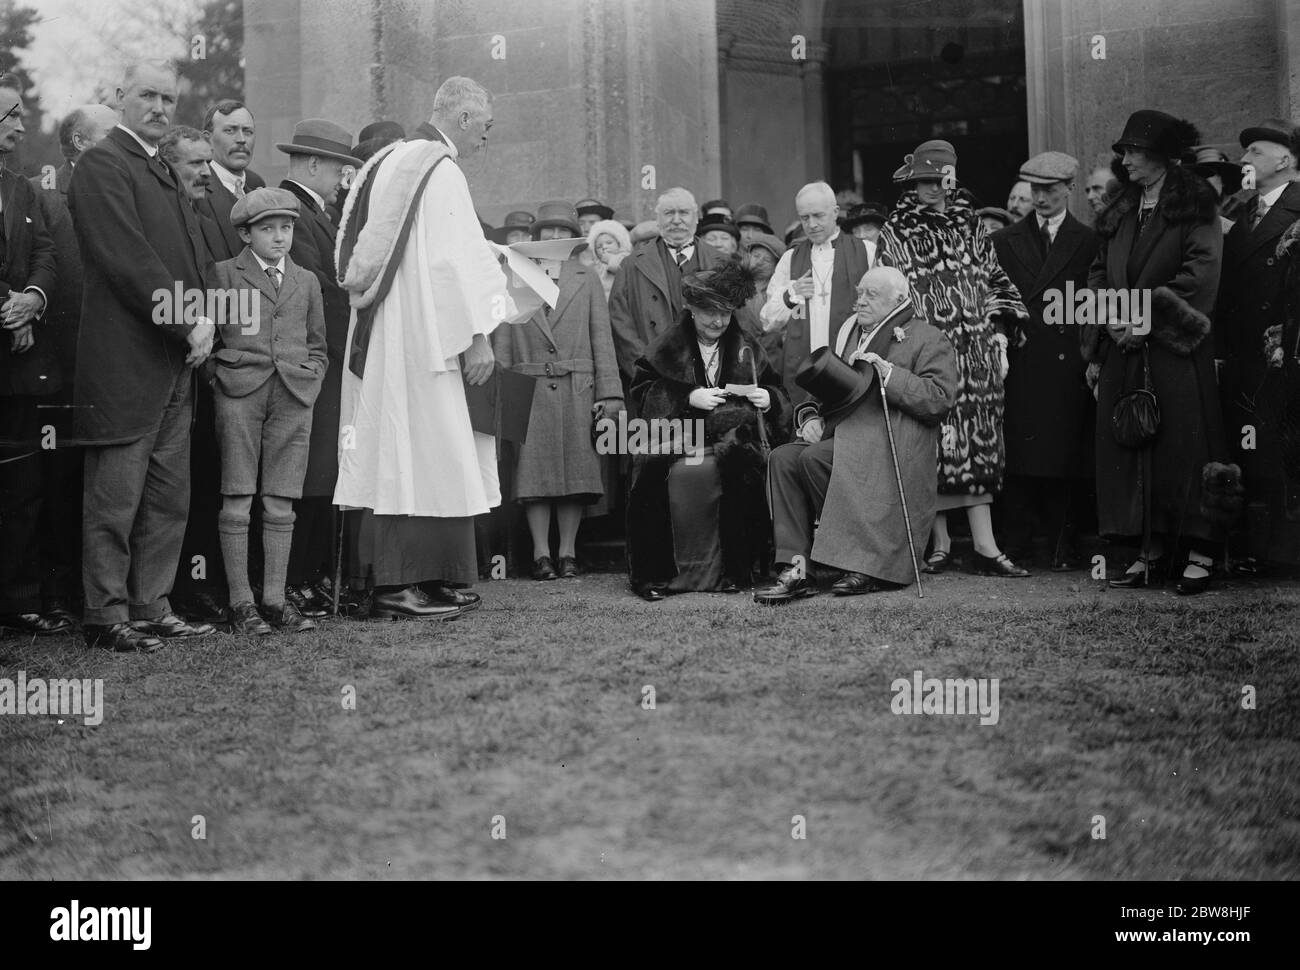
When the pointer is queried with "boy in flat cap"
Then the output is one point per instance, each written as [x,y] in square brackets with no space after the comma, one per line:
[267,375]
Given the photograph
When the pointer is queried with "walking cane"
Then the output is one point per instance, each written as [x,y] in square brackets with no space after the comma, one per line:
[898,474]
[753,371]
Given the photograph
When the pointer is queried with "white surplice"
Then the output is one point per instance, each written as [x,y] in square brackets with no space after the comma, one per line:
[406,446]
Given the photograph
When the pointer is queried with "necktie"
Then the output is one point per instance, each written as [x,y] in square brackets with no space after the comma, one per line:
[239,188]
[1045,237]
[274,273]
[680,257]
[1261,210]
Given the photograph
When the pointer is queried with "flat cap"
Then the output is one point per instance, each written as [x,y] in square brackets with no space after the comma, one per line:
[261,203]
[1048,167]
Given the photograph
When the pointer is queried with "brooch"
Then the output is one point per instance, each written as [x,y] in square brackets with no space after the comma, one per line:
[900,334]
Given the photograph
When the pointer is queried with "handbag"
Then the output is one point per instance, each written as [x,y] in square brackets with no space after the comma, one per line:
[1136,415]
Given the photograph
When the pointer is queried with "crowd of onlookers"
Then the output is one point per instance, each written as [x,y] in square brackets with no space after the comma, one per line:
[115,439]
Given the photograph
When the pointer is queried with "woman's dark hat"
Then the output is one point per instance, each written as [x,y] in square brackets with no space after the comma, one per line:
[519,221]
[557,213]
[729,286]
[928,161]
[593,207]
[1155,131]
[834,383]
[860,215]
[717,221]
[753,214]
[1206,160]
[390,130]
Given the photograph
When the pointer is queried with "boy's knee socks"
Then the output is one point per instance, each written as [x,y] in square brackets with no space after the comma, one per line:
[232,529]
[277,539]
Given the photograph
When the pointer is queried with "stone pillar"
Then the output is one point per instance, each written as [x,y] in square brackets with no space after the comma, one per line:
[1219,65]
[587,93]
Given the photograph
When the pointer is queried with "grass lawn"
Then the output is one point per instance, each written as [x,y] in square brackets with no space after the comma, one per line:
[1122,705]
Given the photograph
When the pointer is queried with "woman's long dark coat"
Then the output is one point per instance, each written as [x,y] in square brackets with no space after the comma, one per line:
[664,377]
[1177,257]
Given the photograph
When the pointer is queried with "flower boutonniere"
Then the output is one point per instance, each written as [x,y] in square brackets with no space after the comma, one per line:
[900,334]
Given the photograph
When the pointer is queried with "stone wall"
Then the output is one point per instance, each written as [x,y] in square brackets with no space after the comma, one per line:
[586,92]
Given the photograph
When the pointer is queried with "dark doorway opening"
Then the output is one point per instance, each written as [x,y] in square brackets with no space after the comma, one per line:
[903,72]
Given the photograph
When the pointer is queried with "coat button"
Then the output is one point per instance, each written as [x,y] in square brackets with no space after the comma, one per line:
[1264,306]
[554,386]
[1269,261]
[655,297]
[1060,356]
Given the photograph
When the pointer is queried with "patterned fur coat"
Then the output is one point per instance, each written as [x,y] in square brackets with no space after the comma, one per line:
[959,286]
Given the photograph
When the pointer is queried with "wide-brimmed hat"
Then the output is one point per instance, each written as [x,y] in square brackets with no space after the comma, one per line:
[1280,130]
[316,136]
[593,207]
[927,162]
[1155,131]
[556,213]
[753,214]
[863,213]
[717,221]
[726,287]
[766,240]
[264,202]
[515,221]
[1002,215]
[834,383]
[1206,160]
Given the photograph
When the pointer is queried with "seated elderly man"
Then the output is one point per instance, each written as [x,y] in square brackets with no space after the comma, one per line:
[845,477]
[696,515]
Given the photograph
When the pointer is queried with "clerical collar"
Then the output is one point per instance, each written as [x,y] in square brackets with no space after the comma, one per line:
[150,150]
[316,197]
[828,243]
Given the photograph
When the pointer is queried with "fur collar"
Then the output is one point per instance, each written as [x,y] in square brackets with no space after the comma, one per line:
[959,213]
[378,236]
[1185,199]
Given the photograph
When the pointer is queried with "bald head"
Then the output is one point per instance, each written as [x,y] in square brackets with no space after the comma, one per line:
[880,292]
[84,126]
[678,216]
[817,210]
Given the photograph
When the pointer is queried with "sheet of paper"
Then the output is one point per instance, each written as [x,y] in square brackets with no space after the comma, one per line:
[740,390]
[558,249]
[527,283]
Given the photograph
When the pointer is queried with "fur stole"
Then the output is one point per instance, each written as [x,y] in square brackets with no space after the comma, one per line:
[1186,199]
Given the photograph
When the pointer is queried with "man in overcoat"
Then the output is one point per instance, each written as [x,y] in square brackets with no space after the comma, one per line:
[1252,299]
[1048,421]
[141,247]
[646,298]
[841,476]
